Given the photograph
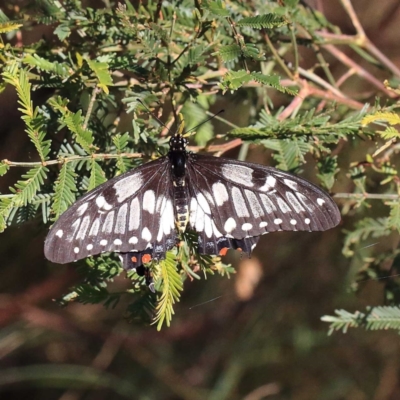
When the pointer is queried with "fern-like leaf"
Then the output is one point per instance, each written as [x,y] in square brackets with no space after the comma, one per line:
[64,190]
[97,176]
[267,21]
[33,120]
[102,73]
[171,287]
[367,227]
[389,117]
[375,318]
[9,26]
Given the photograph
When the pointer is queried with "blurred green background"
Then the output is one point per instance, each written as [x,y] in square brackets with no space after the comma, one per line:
[257,335]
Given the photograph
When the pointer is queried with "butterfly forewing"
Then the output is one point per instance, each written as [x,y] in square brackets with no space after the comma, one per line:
[132,212]
[237,200]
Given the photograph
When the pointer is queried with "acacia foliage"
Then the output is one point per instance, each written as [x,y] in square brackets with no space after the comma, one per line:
[97,63]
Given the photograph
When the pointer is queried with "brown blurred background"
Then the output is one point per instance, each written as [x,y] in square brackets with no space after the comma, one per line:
[255,336]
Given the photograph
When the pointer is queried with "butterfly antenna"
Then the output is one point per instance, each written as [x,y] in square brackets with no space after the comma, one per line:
[153,115]
[203,122]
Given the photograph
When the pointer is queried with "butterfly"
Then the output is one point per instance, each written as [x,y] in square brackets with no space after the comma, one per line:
[228,203]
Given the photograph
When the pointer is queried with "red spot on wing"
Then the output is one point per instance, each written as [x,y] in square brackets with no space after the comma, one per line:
[223,251]
[146,258]
[239,249]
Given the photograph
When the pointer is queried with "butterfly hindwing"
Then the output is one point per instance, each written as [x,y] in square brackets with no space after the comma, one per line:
[233,199]
[130,213]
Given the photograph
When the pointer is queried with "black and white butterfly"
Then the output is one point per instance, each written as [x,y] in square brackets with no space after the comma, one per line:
[229,203]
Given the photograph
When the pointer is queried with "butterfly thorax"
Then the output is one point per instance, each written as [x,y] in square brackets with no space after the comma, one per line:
[177,155]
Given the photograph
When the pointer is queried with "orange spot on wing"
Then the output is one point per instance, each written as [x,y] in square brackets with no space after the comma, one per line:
[223,251]
[239,249]
[134,259]
[146,258]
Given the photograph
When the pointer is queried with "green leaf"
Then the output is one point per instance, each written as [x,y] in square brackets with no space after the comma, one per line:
[267,21]
[62,31]
[172,285]
[217,8]
[394,217]
[64,190]
[97,176]
[235,79]
[59,69]
[34,122]
[328,168]
[375,318]
[367,227]
[9,26]
[74,122]
[24,192]
[273,81]
[102,73]
[229,52]
[4,167]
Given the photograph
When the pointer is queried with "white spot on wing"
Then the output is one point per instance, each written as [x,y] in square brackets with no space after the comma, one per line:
[277,221]
[166,220]
[134,214]
[238,174]
[149,201]
[270,182]
[292,184]
[81,209]
[133,240]
[128,186]
[117,242]
[310,206]
[94,229]
[83,228]
[307,221]
[146,234]
[247,227]
[108,222]
[102,204]
[293,221]
[263,224]
[239,203]
[220,193]
[208,226]
[120,225]
[294,202]
[283,206]
[217,233]
[103,242]
[76,250]
[100,201]
[268,204]
[230,225]
[203,203]
[89,247]
[74,227]
[193,212]
[320,201]
[255,205]
[60,233]
[199,223]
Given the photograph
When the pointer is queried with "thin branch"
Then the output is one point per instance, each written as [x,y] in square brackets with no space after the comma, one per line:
[96,90]
[369,196]
[63,160]
[354,19]
[278,58]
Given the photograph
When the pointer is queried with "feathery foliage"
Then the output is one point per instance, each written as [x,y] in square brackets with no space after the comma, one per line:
[97,63]
[375,318]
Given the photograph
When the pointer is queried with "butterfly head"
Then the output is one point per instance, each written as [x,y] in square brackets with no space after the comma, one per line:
[178,143]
